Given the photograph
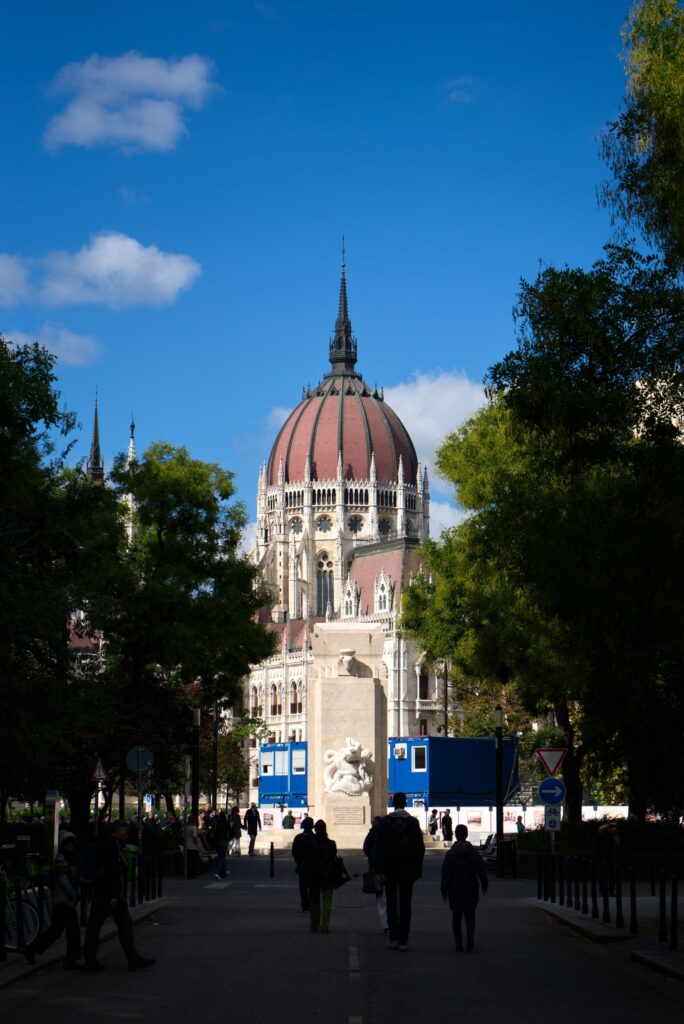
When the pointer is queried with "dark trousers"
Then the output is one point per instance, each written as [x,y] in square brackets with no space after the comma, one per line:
[99,912]
[303,893]
[469,917]
[399,896]
[252,841]
[193,863]
[64,918]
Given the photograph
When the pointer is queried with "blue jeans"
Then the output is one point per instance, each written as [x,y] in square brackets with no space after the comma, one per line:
[221,847]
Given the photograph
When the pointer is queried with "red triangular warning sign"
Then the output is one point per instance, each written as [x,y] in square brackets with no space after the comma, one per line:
[551,758]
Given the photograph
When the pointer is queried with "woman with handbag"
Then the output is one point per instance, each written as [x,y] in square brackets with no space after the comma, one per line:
[370,879]
[323,878]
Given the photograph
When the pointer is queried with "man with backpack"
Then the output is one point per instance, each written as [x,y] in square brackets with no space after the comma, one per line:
[398,856]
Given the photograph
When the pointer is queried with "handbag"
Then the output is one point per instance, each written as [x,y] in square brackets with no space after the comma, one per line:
[340,874]
[369,883]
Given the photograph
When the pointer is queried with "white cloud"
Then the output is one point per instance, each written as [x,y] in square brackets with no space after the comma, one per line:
[277,416]
[443,516]
[432,405]
[461,91]
[14,286]
[131,102]
[71,348]
[248,539]
[112,269]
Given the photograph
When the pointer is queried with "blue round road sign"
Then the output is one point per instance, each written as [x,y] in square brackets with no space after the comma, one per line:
[552,791]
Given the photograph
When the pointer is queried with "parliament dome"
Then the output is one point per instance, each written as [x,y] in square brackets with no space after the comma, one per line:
[344,417]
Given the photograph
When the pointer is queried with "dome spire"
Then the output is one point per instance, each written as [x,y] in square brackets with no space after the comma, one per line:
[343,345]
[95,465]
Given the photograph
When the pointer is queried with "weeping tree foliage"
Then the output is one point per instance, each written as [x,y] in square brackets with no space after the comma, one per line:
[644,147]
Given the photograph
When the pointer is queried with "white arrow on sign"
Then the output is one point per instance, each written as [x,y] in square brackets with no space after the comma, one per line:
[555,791]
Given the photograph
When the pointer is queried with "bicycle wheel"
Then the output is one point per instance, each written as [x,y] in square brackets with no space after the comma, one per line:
[30,918]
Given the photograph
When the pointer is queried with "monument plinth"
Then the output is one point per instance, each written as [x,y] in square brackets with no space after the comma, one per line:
[347,767]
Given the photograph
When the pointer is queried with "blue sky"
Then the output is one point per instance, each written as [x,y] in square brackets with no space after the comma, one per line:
[177,178]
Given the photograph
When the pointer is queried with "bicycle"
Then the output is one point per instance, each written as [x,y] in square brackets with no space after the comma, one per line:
[29,916]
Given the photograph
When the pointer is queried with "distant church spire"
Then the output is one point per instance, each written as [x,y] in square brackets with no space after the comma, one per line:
[343,345]
[95,467]
[130,458]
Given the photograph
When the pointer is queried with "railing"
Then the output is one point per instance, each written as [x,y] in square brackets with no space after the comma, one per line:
[588,885]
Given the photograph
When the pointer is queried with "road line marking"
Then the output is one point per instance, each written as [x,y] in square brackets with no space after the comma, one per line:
[218,885]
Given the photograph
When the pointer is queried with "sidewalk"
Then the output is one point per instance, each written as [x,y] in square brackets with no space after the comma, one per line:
[16,967]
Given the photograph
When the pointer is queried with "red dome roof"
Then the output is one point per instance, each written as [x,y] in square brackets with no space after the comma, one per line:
[343,414]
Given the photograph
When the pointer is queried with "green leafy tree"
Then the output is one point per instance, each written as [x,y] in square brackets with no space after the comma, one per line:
[644,147]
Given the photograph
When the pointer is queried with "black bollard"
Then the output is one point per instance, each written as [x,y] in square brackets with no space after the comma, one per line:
[132,882]
[19,904]
[552,878]
[561,880]
[633,923]
[594,891]
[605,917]
[585,871]
[41,904]
[570,864]
[619,919]
[546,878]
[674,936]
[576,869]
[271,855]
[3,903]
[653,877]
[160,870]
[662,922]
[540,876]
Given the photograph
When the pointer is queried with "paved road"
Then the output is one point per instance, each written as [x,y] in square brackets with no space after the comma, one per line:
[241,951]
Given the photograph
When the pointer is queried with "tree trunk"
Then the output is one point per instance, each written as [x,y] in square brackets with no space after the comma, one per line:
[572,764]
[4,797]
[168,798]
[80,796]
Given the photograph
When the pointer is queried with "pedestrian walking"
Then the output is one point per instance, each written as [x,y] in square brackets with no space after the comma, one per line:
[447,826]
[463,875]
[107,873]
[303,853]
[235,827]
[288,820]
[399,864]
[221,845]
[192,846]
[253,825]
[433,822]
[370,851]
[321,888]
[65,897]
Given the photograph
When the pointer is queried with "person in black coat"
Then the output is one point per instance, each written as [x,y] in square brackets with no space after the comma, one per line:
[323,881]
[107,872]
[398,864]
[463,875]
[303,853]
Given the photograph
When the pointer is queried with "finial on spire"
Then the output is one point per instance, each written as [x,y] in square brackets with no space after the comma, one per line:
[131,445]
[342,351]
[95,465]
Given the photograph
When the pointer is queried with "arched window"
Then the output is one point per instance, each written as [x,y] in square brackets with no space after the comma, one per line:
[365,497]
[274,701]
[253,701]
[324,585]
[423,685]
[382,598]
[293,698]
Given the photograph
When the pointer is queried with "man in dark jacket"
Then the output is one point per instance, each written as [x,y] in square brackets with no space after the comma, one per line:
[463,874]
[253,825]
[303,849]
[398,864]
[107,874]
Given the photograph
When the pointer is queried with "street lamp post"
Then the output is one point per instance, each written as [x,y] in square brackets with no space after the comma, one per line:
[499,790]
[214,757]
[195,762]
[446,698]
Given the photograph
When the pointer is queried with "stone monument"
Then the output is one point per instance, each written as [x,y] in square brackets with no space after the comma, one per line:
[347,764]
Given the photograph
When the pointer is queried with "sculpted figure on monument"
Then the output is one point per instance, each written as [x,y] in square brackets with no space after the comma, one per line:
[347,769]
